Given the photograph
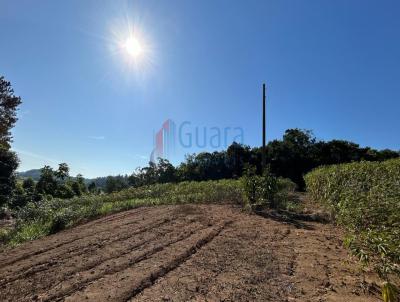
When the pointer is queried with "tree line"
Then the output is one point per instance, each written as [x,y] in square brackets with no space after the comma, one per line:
[52,183]
[297,153]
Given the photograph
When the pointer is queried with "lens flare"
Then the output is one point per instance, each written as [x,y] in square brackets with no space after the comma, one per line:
[133,47]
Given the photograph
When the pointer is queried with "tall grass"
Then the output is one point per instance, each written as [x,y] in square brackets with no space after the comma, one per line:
[50,216]
[364,198]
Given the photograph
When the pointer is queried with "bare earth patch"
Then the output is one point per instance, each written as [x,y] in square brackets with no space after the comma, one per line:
[184,253]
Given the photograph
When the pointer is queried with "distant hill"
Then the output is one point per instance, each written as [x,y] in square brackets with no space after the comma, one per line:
[34,174]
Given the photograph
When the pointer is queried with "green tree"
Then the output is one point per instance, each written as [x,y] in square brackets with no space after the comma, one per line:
[8,165]
[8,160]
[81,182]
[187,170]
[76,188]
[134,179]
[161,172]
[115,183]
[297,153]
[29,185]
[8,112]
[387,154]
[19,198]
[64,190]
[165,171]
[237,156]
[62,172]
[47,183]
[149,174]
[92,187]
[111,184]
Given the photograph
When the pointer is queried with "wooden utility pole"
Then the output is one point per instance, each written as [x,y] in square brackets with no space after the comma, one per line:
[263,133]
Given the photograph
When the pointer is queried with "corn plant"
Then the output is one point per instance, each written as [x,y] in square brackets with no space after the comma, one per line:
[365,198]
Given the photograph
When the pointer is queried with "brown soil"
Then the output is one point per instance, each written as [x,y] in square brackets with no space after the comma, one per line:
[185,253]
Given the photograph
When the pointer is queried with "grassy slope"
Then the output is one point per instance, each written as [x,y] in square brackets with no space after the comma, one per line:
[51,216]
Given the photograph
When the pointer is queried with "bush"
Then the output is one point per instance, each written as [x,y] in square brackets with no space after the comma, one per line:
[364,198]
[4,235]
[5,213]
[259,190]
[65,191]
[286,185]
[62,220]
[284,197]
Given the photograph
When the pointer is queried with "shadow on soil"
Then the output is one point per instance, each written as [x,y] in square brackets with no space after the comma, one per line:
[298,220]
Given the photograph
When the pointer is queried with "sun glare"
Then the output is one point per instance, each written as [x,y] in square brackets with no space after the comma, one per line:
[133,47]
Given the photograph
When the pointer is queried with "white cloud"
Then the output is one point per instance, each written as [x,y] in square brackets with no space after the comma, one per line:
[34,155]
[30,160]
[97,137]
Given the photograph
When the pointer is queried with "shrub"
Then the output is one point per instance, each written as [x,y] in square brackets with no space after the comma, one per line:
[259,190]
[62,220]
[65,191]
[4,235]
[286,185]
[28,231]
[284,197]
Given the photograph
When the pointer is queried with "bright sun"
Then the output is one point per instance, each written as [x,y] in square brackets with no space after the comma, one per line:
[133,47]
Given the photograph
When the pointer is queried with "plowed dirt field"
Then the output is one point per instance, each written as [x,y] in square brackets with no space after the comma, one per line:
[184,253]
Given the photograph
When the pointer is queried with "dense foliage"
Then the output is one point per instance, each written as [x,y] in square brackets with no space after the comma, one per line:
[8,165]
[51,184]
[8,111]
[292,157]
[365,198]
[8,159]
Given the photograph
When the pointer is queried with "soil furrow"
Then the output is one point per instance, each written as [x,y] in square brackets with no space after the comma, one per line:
[94,238]
[79,233]
[49,257]
[149,280]
[135,278]
[99,254]
[80,281]
[185,253]
[214,269]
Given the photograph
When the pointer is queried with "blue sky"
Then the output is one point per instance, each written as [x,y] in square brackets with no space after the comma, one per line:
[330,66]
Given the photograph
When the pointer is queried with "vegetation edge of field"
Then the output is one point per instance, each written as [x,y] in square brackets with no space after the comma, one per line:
[49,216]
[364,198]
